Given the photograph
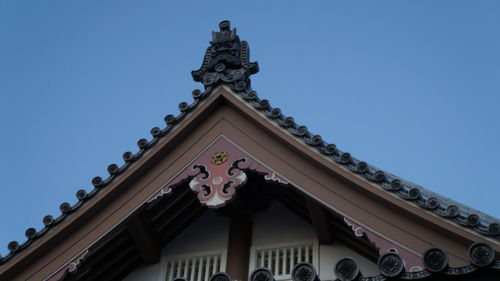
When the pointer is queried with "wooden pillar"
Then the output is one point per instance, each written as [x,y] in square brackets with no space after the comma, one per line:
[240,240]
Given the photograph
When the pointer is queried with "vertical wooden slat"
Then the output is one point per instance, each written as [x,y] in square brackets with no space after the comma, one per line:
[210,267]
[219,263]
[309,254]
[167,272]
[207,268]
[219,258]
[291,259]
[275,262]
[192,269]
[200,268]
[283,262]
[171,268]
[185,267]
[269,258]
[179,268]
[299,258]
[264,257]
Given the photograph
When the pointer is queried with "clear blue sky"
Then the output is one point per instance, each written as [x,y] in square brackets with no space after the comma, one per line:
[412,87]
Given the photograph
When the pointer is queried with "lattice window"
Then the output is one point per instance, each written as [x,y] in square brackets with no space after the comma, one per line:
[280,259]
[194,267]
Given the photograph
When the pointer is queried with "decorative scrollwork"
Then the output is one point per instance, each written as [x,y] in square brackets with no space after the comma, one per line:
[217,186]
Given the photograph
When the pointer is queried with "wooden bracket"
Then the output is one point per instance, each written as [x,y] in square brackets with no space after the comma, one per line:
[319,221]
[144,238]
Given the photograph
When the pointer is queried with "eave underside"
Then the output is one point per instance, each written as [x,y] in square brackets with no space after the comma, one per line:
[118,254]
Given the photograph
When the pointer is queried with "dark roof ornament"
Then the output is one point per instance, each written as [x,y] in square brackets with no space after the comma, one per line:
[481,254]
[390,264]
[226,61]
[346,269]
[220,276]
[435,260]
[261,274]
[304,271]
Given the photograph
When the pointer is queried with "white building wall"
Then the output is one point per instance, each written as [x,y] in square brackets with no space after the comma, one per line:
[145,273]
[209,233]
[277,226]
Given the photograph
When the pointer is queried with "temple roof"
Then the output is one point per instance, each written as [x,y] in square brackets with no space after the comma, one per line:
[226,64]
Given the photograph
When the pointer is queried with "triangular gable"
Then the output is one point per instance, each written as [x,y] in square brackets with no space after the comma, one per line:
[227,131]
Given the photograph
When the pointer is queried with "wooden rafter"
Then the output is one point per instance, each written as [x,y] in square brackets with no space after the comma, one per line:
[144,237]
[319,222]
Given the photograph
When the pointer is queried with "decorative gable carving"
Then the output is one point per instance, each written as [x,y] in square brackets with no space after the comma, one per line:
[217,172]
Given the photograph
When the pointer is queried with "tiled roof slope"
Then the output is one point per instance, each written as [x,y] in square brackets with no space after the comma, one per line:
[226,62]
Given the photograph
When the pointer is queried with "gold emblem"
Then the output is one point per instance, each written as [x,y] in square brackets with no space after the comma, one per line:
[219,157]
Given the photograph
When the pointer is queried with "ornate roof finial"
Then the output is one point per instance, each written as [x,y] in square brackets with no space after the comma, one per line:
[226,61]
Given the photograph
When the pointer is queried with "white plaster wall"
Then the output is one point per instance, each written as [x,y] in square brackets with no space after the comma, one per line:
[279,225]
[145,273]
[208,233]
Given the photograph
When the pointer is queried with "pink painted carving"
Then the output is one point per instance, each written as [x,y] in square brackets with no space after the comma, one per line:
[68,268]
[216,182]
[413,262]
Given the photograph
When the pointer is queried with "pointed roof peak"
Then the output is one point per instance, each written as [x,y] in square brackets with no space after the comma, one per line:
[226,61]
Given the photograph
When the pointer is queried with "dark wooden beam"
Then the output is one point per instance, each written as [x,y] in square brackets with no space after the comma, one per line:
[144,237]
[238,248]
[320,222]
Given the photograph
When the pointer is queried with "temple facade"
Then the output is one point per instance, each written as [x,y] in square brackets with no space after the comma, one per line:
[233,189]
